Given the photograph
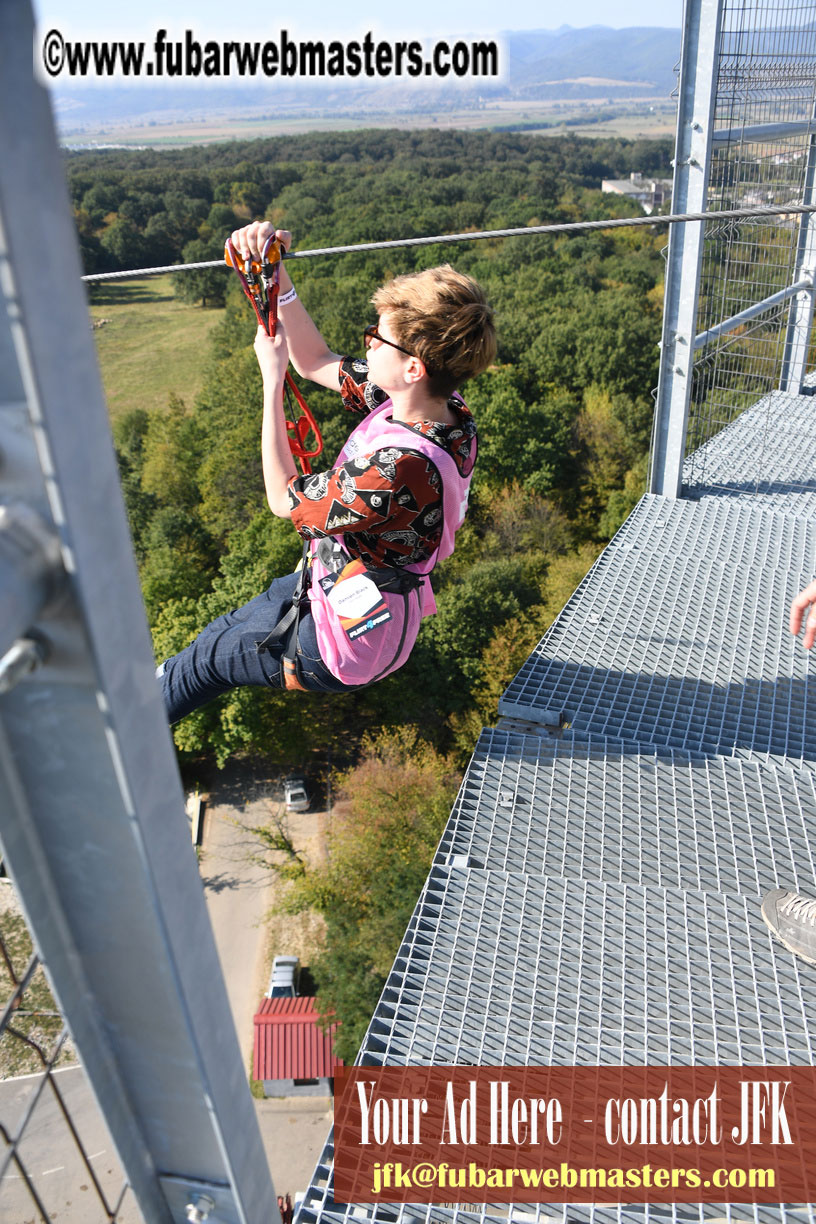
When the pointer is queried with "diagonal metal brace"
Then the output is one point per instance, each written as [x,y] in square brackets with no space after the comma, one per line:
[31,571]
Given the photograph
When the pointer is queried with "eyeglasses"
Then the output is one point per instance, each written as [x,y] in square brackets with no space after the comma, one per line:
[370,333]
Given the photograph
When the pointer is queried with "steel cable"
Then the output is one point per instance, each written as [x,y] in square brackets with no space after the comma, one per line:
[560,228]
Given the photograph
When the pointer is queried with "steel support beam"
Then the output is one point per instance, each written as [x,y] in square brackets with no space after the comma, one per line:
[753,312]
[759,133]
[695,120]
[800,320]
[92,815]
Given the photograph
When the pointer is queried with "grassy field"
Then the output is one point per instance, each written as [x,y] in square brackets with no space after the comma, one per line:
[641,116]
[149,343]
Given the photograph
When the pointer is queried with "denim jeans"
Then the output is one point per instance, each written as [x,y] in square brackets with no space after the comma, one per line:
[225,655]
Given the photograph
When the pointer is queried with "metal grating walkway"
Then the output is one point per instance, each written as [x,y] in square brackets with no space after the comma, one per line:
[676,636]
[725,531]
[561,808]
[506,968]
[767,454]
[595,896]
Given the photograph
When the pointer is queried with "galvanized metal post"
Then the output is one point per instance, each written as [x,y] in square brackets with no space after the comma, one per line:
[91,808]
[695,120]
[800,319]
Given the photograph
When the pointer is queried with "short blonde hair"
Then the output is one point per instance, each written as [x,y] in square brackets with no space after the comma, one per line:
[442,317]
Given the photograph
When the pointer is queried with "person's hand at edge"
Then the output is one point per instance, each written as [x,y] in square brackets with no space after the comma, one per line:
[804,600]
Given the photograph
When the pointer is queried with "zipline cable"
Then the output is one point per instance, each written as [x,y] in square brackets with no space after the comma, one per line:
[560,228]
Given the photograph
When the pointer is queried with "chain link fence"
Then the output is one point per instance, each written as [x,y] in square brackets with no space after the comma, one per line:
[762,155]
[57,1161]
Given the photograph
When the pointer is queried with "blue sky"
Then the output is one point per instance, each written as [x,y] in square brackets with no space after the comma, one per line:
[328,19]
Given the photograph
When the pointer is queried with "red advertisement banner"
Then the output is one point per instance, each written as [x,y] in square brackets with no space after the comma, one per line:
[575,1135]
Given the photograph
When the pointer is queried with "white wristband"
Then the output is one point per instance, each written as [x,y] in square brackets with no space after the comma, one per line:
[287,297]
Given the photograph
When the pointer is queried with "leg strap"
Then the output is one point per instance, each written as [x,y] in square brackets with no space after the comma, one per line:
[287,628]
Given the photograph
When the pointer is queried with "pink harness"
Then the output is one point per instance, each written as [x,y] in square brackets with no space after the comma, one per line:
[386,647]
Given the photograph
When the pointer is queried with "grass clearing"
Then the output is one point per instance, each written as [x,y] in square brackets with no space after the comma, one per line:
[150,344]
[35,1023]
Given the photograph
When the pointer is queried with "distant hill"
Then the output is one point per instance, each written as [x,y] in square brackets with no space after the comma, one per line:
[590,60]
[595,62]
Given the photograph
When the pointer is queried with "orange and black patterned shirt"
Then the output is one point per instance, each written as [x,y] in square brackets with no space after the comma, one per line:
[387,504]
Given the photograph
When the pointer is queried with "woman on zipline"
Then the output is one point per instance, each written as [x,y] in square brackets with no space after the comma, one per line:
[376,523]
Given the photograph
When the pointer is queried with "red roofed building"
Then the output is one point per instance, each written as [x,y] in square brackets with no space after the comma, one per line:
[293,1055]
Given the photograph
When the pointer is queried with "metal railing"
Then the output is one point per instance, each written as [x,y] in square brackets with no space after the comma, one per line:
[92,817]
[740,292]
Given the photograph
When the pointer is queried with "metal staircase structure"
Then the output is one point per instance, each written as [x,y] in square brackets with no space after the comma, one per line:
[595,896]
[596,899]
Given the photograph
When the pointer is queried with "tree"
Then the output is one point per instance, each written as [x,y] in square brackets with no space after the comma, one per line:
[205,285]
[621,502]
[100,199]
[138,207]
[229,413]
[160,240]
[184,215]
[512,642]
[248,197]
[178,558]
[520,441]
[221,221]
[447,657]
[171,456]
[129,433]
[265,549]
[125,244]
[391,811]
[612,430]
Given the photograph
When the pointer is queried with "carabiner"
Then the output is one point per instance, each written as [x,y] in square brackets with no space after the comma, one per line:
[270,278]
[250,274]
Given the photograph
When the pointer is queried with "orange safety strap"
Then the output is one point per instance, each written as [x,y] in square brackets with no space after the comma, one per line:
[260,281]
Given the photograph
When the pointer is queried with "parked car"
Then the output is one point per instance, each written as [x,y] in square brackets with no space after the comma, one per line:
[283,982]
[297,797]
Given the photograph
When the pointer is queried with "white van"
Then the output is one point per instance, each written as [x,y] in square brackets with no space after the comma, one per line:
[283,981]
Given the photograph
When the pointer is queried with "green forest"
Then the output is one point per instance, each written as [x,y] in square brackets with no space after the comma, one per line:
[564,420]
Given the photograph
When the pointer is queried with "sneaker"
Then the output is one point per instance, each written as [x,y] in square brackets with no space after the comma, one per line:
[792,919]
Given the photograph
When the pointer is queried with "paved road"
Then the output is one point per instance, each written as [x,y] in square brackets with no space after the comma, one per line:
[51,1157]
[294,1131]
[238,896]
